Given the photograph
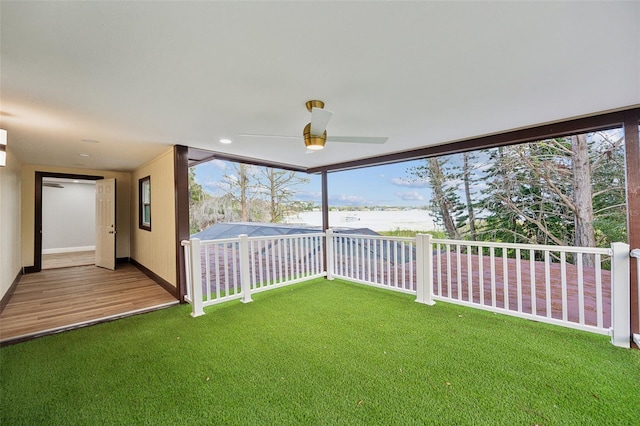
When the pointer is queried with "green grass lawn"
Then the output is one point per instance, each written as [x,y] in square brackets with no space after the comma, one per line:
[321,353]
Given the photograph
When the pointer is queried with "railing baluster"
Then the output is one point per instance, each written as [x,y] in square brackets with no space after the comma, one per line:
[458,272]
[547,282]
[469,275]
[395,265]
[254,255]
[580,288]
[439,267]
[376,244]
[599,310]
[505,278]
[207,273]
[235,247]
[563,279]
[532,278]
[449,294]
[411,262]
[481,274]
[492,260]
[519,278]
[225,267]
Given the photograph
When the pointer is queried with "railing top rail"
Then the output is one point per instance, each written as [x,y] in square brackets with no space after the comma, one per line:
[372,237]
[185,243]
[568,249]
[635,253]
[220,241]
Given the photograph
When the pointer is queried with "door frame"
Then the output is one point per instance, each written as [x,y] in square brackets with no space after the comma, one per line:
[37,229]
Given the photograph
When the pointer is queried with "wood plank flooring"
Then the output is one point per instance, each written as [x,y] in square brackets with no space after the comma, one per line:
[66,260]
[60,299]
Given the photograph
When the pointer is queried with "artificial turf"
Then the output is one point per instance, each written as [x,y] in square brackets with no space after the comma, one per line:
[321,352]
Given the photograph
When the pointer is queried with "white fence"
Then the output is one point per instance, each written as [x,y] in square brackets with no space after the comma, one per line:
[576,287]
[235,268]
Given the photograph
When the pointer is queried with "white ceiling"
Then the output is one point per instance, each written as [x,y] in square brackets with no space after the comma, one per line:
[141,76]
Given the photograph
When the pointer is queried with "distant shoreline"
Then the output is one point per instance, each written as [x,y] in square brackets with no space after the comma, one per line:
[379,221]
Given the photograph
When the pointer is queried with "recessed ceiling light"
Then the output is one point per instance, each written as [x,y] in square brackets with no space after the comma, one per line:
[90,140]
[84,155]
[225,141]
[76,181]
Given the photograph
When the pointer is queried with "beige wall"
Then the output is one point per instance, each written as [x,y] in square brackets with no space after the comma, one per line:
[10,241]
[155,249]
[123,207]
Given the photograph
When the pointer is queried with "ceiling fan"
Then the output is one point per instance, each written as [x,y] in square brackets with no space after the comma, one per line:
[315,132]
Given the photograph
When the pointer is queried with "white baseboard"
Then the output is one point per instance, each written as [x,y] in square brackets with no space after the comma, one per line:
[67,249]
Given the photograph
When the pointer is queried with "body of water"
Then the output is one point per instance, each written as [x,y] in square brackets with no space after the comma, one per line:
[417,220]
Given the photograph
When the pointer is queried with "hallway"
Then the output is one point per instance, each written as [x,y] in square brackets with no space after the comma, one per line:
[55,300]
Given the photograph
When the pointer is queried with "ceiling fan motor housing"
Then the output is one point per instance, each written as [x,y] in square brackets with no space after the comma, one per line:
[314,104]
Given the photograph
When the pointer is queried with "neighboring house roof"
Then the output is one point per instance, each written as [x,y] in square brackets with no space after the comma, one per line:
[257,229]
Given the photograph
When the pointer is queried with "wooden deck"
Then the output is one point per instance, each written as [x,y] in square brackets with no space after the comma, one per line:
[60,299]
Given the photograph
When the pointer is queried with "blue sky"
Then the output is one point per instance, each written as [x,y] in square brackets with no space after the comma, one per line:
[388,185]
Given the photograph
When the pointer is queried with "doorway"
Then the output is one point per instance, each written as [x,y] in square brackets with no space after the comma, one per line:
[48,180]
[68,222]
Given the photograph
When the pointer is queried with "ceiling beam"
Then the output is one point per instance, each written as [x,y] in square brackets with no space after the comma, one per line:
[586,124]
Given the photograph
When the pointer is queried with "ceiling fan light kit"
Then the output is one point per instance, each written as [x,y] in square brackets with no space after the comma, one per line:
[313,142]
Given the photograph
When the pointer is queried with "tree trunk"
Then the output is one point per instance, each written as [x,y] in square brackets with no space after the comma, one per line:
[582,196]
[467,194]
[444,205]
[243,182]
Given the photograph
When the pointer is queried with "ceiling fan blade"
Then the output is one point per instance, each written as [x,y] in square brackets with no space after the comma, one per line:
[251,135]
[357,139]
[319,120]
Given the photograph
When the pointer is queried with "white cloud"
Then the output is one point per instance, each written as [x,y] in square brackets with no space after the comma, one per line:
[409,183]
[410,196]
[352,200]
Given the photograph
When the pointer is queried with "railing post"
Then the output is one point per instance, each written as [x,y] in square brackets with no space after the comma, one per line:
[245,273]
[196,278]
[636,254]
[424,269]
[620,296]
[328,235]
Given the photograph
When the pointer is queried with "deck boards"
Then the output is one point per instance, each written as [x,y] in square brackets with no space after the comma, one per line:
[66,260]
[60,298]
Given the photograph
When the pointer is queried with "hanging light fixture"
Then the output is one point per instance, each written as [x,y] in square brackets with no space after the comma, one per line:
[3,147]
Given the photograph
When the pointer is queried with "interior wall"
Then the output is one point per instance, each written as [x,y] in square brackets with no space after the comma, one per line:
[10,221]
[69,217]
[155,249]
[123,208]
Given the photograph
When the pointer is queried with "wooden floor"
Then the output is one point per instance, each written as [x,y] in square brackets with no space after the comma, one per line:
[66,260]
[59,299]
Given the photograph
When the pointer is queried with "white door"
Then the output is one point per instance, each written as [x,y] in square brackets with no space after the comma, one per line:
[106,223]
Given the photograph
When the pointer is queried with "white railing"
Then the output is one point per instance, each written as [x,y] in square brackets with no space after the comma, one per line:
[235,268]
[636,254]
[568,286]
[576,287]
[370,259]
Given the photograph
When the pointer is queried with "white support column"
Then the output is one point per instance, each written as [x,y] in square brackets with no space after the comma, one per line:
[636,253]
[196,278]
[620,296]
[424,269]
[245,274]
[328,235]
